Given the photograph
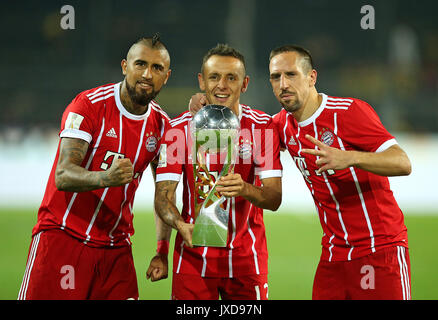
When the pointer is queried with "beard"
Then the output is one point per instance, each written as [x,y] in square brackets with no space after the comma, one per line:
[141,98]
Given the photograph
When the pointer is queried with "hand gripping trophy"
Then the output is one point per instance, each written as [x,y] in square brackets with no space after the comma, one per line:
[215,132]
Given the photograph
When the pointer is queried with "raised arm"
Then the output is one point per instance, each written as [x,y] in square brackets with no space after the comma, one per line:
[71,176]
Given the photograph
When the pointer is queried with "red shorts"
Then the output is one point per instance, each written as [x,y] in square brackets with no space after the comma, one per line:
[383,275]
[61,267]
[193,287]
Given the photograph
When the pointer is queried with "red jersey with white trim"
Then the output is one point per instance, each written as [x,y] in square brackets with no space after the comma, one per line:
[102,217]
[258,158]
[357,209]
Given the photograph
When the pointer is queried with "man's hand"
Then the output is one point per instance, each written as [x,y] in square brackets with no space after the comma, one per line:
[196,103]
[158,268]
[232,185]
[120,173]
[186,231]
[329,158]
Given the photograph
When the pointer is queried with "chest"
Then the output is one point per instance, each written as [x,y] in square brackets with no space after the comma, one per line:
[324,130]
[121,137]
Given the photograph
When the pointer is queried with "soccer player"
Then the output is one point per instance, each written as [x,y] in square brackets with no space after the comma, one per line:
[81,247]
[345,156]
[239,270]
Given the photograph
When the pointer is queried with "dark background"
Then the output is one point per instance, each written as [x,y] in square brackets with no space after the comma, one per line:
[393,67]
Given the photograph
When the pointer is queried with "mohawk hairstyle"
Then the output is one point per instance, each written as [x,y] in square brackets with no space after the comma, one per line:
[304,53]
[155,38]
[224,50]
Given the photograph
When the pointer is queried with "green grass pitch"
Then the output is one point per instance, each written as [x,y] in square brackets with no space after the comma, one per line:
[293,243]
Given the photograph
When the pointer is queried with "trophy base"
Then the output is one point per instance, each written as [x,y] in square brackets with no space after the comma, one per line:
[208,233]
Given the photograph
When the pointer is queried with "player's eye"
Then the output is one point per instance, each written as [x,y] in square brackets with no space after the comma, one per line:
[157,67]
[274,76]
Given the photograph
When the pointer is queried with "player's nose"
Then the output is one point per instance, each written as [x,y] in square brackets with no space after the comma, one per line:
[147,74]
[284,84]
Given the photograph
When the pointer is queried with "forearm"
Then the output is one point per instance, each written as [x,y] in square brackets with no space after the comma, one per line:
[166,209]
[74,178]
[263,196]
[392,162]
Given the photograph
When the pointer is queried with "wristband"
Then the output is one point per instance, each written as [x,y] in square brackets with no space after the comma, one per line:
[163,247]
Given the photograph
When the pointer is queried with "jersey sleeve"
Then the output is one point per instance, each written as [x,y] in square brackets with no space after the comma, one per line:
[361,127]
[279,123]
[78,120]
[172,154]
[267,152]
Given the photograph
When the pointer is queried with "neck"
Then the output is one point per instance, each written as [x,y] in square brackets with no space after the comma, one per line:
[236,109]
[309,107]
[130,105]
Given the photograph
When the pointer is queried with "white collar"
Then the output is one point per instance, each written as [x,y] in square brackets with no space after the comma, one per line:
[123,110]
[316,113]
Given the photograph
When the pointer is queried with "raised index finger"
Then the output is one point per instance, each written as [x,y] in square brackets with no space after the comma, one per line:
[314,141]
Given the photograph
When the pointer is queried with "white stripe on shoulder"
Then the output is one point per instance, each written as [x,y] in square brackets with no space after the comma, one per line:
[336,107]
[157,108]
[103,97]
[259,116]
[184,118]
[249,116]
[339,99]
[99,91]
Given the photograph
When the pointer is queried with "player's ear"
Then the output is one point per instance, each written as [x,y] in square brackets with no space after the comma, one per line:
[201,82]
[124,65]
[245,84]
[313,77]
[167,76]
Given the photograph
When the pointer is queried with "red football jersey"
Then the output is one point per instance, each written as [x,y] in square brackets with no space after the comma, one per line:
[258,158]
[356,208]
[102,217]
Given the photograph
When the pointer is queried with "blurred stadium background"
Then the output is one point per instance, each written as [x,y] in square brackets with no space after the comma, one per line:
[393,67]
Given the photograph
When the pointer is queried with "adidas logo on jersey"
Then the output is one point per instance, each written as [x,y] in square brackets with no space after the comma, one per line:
[292,141]
[111,133]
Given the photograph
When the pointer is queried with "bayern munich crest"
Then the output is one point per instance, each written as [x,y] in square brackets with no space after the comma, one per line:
[151,144]
[245,150]
[327,138]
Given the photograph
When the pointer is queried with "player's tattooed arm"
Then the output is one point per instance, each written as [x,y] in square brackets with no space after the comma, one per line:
[163,230]
[158,267]
[70,175]
[166,209]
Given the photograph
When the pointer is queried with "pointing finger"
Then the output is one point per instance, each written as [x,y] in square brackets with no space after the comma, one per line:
[314,141]
[312,152]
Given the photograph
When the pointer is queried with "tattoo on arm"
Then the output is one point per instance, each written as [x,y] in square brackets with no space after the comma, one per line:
[165,202]
[70,175]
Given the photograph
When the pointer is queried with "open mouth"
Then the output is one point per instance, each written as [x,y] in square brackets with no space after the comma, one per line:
[221,97]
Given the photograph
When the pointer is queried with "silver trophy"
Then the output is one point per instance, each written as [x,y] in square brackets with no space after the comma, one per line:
[215,132]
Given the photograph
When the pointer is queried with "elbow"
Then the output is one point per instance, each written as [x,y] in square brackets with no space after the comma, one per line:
[407,168]
[59,179]
[275,205]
